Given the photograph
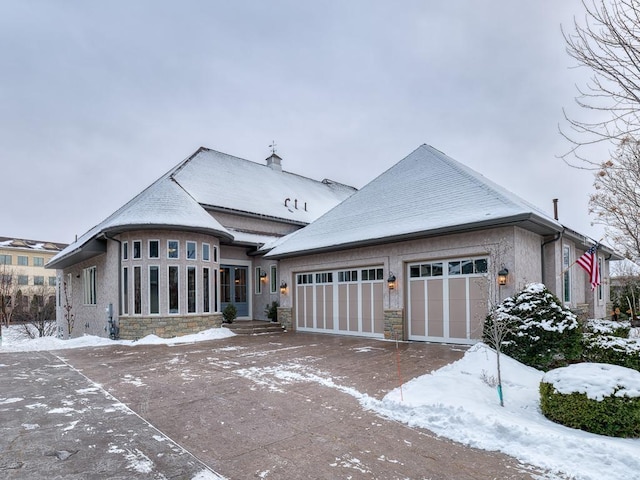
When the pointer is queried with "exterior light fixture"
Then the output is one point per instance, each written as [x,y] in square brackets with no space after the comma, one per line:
[283,287]
[263,275]
[391,281]
[502,276]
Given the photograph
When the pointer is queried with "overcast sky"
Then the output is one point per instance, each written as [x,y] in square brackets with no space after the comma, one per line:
[100,98]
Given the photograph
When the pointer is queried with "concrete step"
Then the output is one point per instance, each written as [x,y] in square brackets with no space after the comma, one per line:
[255,327]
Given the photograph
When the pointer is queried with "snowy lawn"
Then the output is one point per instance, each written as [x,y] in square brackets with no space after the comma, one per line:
[457,402]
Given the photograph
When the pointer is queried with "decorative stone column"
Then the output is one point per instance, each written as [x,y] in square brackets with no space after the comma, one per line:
[285,317]
[394,324]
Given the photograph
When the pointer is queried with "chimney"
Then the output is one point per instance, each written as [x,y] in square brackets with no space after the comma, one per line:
[274,162]
[555,209]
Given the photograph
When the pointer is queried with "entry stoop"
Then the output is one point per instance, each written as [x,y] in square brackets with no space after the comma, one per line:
[253,327]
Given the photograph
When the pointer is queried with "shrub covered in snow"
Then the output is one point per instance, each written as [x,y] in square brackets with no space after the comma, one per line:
[541,332]
[595,397]
[603,326]
[624,352]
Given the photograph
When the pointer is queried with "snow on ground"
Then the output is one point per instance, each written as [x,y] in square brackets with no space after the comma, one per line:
[458,401]
[14,340]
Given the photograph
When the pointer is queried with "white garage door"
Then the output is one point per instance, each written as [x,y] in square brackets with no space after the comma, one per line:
[341,301]
[447,300]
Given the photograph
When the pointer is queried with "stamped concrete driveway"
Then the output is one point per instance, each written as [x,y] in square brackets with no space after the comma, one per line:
[285,407]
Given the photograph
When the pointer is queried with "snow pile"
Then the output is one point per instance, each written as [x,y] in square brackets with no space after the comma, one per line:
[459,403]
[595,380]
[14,340]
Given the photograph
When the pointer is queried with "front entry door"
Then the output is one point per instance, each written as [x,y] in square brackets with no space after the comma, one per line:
[234,288]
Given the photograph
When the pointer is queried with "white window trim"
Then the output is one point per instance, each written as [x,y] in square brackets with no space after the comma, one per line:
[186,283]
[89,286]
[168,250]
[149,249]
[195,251]
[133,250]
[567,271]
[169,312]
[125,250]
[206,259]
[149,288]
[273,280]
[258,281]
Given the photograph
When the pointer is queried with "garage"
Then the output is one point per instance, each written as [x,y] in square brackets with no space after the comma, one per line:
[447,300]
[341,301]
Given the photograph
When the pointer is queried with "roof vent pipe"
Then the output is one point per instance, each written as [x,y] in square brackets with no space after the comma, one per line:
[555,209]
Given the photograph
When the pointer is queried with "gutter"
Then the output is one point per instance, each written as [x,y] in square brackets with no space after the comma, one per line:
[107,237]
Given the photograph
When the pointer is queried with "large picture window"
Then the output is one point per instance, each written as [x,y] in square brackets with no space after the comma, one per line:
[89,284]
[174,290]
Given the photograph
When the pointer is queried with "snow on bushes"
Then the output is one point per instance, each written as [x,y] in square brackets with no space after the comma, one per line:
[624,352]
[603,326]
[541,332]
[595,397]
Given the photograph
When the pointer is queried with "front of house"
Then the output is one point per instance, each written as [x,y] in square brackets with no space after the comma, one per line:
[412,255]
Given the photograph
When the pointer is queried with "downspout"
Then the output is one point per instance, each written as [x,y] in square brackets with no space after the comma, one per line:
[558,236]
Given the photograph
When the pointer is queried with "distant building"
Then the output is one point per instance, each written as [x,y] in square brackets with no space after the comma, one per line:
[23,273]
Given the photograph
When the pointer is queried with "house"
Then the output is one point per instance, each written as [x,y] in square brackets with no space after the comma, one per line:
[23,275]
[415,254]
[170,260]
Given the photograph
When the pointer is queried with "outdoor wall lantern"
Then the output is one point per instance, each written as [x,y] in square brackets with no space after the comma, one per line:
[283,287]
[263,275]
[391,281]
[502,276]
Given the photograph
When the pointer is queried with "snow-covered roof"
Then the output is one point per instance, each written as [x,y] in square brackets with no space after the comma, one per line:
[23,244]
[219,180]
[210,180]
[426,193]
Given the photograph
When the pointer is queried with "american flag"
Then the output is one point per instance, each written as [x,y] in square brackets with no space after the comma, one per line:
[589,261]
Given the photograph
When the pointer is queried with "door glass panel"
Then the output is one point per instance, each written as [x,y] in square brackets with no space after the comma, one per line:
[240,285]
[225,286]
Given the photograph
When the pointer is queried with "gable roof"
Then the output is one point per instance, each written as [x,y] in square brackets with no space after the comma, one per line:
[210,180]
[425,194]
[220,181]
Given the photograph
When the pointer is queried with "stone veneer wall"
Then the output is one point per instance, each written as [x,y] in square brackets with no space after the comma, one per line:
[285,317]
[394,324]
[134,328]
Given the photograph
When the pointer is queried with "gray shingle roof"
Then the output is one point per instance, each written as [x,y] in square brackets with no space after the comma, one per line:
[426,193]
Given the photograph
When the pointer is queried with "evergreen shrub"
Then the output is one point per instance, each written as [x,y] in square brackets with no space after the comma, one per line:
[229,313]
[541,332]
[624,352]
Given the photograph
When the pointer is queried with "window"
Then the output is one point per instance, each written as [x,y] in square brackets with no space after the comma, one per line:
[5,259]
[206,252]
[172,249]
[600,289]
[305,278]
[6,279]
[89,285]
[23,261]
[173,287]
[125,291]
[566,280]
[52,281]
[258,281]
[191,289]
[38,261]
[215,254]
[215,289]
[372,274]
[137,290]
[23,280]
[206,295]
[326,277]
[348,276]
[38,280]
[274,279]
[125,250]
[191,250]
[154,249]
[137,249]
[154,290]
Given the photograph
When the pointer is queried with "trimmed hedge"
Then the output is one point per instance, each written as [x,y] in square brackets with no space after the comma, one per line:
[603,326]
[541,332]
[608,405]
[624,352]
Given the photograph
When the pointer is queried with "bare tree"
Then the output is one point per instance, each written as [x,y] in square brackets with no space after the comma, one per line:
[37,315]
[496,326]
[616,202]
[67,306]
[608,43]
